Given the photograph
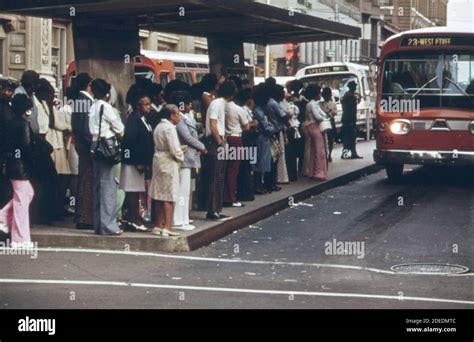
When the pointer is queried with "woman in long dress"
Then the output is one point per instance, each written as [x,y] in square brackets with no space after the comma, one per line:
[330,108]
[169,155]
[317,163]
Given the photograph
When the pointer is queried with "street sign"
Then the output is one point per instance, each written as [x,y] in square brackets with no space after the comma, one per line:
[330,53]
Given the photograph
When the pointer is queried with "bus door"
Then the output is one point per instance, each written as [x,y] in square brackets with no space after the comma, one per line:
[164,78]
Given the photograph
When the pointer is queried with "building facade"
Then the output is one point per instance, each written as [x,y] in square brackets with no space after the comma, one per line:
[378,20]
[413,14]
[45,45]
[39,44]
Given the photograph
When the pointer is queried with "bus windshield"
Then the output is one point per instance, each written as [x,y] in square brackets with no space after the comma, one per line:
[335,82]
[434,79]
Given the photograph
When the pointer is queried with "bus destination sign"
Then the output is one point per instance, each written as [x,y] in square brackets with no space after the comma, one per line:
[434,41]
[321,70]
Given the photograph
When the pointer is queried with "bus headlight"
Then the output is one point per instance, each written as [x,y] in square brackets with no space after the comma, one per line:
[471,127]
[400,127]
[383,126]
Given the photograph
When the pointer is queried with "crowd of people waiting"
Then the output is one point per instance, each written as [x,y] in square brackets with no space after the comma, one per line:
[53,154]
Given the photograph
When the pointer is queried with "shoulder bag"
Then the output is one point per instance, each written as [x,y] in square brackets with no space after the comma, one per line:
[324,125]
[107,149]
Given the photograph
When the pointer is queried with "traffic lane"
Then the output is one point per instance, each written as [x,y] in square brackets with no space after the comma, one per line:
[47,296]
[426,218]
[289,278]
[179,273]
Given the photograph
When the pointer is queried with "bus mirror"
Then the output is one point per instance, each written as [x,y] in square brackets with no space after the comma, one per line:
[373,70]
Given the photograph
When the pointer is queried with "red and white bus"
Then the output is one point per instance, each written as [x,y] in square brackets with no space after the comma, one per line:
[425,100]
[162,67]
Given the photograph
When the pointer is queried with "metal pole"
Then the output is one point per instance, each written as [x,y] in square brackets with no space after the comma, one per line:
[267,56]
[267,61]
[367,123]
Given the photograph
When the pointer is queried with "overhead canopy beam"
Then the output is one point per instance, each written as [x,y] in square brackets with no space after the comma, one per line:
[242,20]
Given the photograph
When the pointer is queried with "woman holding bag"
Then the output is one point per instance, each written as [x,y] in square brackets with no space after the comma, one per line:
[330,108]
[105,125]
[317,163]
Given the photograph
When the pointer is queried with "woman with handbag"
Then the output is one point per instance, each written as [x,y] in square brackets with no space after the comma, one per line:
[330,108]
[317,163]
[105,126]
[18,151]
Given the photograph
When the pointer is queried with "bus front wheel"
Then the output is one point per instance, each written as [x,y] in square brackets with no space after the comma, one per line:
[394,172]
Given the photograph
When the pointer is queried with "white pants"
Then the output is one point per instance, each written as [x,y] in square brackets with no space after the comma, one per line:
[181,208]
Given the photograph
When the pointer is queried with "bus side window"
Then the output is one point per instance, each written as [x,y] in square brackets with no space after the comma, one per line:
[185,77]
[199,77]
[164,79]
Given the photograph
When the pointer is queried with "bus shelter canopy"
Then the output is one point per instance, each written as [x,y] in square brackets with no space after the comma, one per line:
[239,20]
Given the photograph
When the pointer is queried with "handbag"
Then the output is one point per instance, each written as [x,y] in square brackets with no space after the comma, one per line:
[107,150]
[275,149]
[325,125]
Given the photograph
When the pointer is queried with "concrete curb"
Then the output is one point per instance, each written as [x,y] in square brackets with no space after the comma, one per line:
[147,243]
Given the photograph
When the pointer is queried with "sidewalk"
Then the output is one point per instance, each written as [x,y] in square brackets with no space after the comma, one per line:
[340,173]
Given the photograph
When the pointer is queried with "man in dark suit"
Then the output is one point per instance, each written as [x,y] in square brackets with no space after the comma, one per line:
[83,140]
[349,119]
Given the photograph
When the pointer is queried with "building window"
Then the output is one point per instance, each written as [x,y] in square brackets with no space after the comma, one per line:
[58,52]
[2,56]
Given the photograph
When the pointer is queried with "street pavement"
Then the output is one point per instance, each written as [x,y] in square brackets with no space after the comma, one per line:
[283,261]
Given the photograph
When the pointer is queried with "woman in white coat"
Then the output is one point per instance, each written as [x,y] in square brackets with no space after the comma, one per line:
[169,155]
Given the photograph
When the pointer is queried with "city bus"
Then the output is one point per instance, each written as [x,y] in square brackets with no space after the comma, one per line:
[425,100]
[162,67]
[336,75]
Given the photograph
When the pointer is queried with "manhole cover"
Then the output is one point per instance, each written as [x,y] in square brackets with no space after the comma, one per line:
[429,269]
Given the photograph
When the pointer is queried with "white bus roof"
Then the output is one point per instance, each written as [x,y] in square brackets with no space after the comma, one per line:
[281,80]
[436,29]
[176,56]
[351,66]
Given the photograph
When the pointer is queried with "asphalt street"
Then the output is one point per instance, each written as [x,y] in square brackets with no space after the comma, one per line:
[291,260]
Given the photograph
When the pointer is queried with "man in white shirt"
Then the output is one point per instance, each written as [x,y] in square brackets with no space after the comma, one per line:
[111,122]
[104,186]
[235,123]
[215,133]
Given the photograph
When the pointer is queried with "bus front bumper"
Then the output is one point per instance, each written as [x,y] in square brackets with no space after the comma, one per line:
[385,157]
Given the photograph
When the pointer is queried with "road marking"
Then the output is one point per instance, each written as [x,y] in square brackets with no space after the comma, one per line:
[193,258]
[243,261]
[233,290]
